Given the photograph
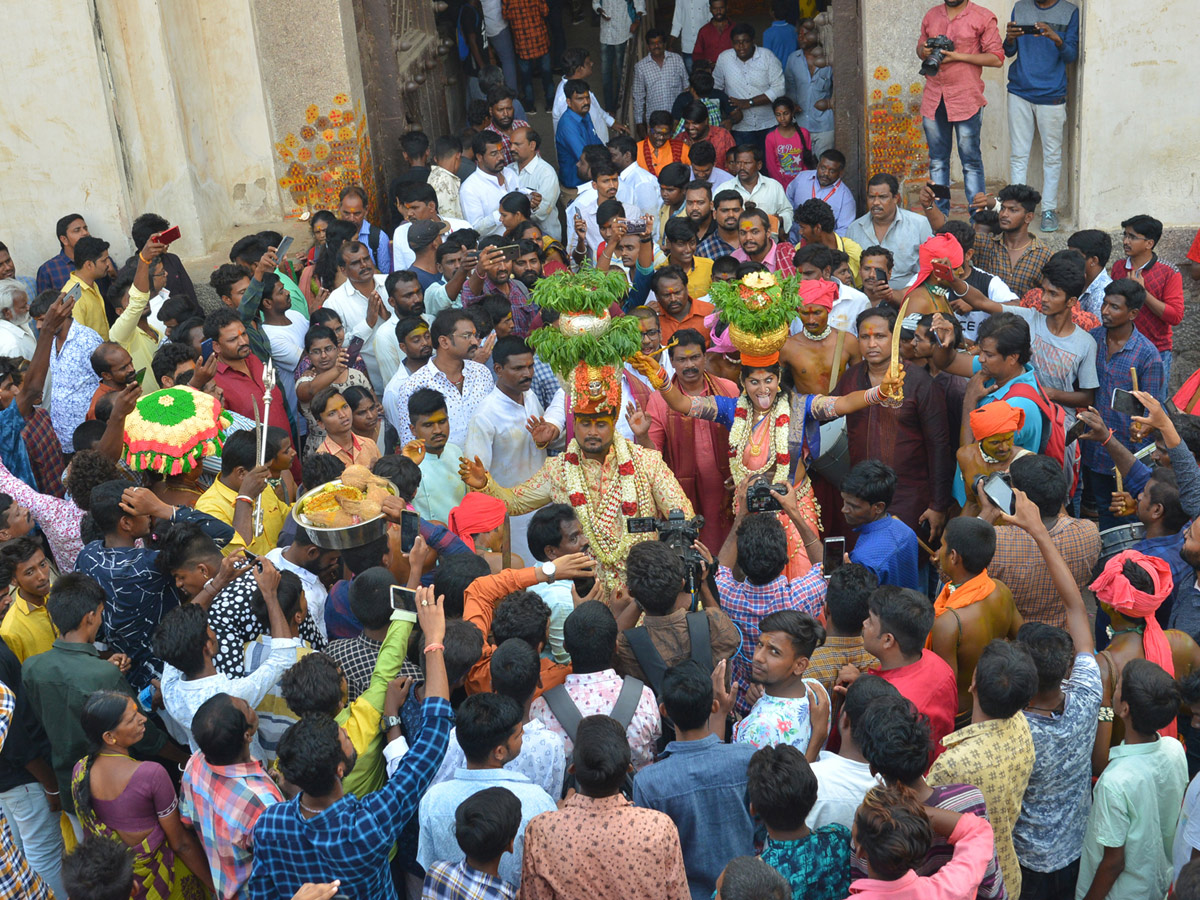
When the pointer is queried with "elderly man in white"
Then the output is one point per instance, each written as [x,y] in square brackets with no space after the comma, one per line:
[531,174]
[16,337]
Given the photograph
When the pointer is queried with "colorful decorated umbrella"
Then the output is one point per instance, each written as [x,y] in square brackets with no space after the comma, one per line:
[171,430]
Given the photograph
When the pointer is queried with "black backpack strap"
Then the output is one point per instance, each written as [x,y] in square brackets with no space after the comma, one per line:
[699,633]
[565,710]
[649,659]
[627,701]
[374,235]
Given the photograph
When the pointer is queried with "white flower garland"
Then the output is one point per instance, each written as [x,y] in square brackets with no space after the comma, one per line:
[779,423]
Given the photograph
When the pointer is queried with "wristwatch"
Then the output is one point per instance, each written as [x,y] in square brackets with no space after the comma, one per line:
[388,722]
[548,569]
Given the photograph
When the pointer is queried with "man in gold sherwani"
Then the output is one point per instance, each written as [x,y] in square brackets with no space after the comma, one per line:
[604,477]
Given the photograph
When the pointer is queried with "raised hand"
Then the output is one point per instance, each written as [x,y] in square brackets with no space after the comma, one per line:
[472,472]
[574,565]
[639,422]
[543,432]
[414,450]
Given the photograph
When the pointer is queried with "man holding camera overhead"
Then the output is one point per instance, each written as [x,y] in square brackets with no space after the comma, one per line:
[958,40]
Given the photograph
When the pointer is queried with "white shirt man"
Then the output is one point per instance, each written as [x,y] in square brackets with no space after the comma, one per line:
[743,79]
[351,305]
[16,342]
[600,119]
[497,436]
[480,198]
[638,188]
[767,194]
[690,17]
[402,254]
[460,405]
[315,593]
[538,175]
[586,205]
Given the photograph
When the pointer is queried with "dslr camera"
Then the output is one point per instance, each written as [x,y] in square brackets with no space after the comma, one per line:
[938,44]
[679,534]
[763,496]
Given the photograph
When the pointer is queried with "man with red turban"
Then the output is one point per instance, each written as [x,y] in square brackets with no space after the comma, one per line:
[941,258]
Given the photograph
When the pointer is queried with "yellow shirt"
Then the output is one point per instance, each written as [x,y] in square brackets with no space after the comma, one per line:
[854,251]
[27,628]
[700,278]
[141,346]
[997,757]
[218,501]
[89,308]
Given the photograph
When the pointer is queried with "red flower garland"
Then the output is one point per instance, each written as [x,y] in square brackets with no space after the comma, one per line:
[781,459]
[625,468]
[572,458]
[740,413]
[577,499]
[782,421]
[629,509]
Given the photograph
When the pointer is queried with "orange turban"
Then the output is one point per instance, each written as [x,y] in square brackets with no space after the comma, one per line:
[995,418]
[476,514]
[940,246]
[818,292]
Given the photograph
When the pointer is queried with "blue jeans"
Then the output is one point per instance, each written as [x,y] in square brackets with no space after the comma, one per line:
[528,68]
[36,831]
[939,131]
[502,43]
[612,63]
[687,62]
[1166,361]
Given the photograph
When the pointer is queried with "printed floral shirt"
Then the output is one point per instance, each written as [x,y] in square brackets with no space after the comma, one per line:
[779,720]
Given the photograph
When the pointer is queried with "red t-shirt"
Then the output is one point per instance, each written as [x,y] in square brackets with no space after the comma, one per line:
[931,686]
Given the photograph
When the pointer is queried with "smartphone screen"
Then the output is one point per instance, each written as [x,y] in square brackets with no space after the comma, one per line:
[404,599]
[1001,495]
[1125,402]
[353,349]
[206,349]
[283,248]
[511,252]
[139,375]
[941,191]
[410,524]
[835,550]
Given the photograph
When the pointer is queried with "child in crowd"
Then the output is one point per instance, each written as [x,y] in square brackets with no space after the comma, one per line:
[787,145]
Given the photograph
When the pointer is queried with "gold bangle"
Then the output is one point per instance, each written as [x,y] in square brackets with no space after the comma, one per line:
[142,258]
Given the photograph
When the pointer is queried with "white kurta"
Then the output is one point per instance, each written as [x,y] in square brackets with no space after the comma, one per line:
[497,436]
[540,176]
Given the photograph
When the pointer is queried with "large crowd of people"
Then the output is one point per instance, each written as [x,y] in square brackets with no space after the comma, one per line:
[728,543]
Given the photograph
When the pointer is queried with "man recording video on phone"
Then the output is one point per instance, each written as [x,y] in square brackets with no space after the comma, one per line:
[1041,38]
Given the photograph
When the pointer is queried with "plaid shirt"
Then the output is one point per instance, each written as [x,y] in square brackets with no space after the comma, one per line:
[54,272]
[837,651]
[746,604]
[1113,372]
[712,247]
[506,141]
[778,258]
[1164,282]
[17,879]
[1019,565]
[527,22]
[992,256]
[458,881]
[357,657]
[351,839]
[655,87]
[526,316]
[224,802]
[45,453]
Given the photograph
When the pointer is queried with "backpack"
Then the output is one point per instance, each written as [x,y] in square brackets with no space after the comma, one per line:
[569,717]
[655,668]
[1054,438]
[374,236]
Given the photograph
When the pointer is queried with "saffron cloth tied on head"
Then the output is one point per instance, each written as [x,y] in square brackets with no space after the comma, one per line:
[477,514]
[818,292]
[996,418]
[940,246]
[1114,589]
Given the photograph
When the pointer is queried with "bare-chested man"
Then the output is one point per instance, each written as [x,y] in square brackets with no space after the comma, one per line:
[972,609]
[941,261]
[1130,589]
[818,354]
[993,450]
